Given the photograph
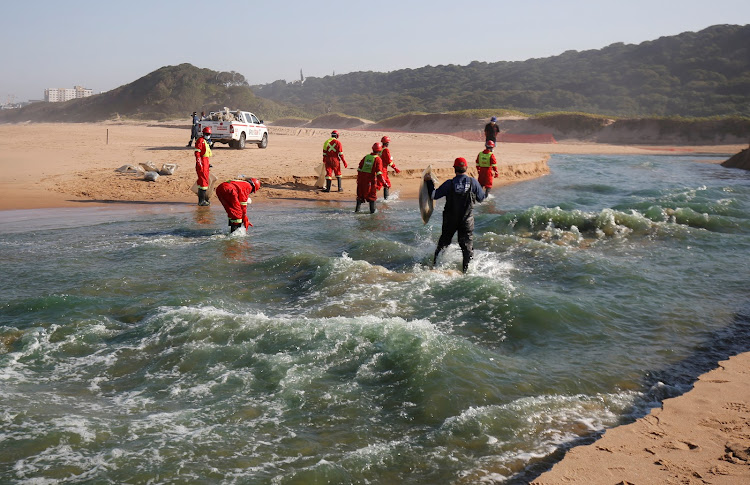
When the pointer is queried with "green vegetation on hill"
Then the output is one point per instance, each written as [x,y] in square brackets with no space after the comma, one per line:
[691,74]
[170,92]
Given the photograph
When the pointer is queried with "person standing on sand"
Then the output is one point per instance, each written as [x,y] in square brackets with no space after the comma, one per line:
[461,193]
[194,129]
[487,167]
[387,159]
[369,177]
[332,152]
[491,130]
[203,164]
[234,196]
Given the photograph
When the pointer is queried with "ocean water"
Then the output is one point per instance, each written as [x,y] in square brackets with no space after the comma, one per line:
[140,344]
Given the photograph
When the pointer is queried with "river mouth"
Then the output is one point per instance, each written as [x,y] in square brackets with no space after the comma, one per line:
[143,342]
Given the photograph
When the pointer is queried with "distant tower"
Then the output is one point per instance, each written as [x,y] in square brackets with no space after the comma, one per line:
[301,77]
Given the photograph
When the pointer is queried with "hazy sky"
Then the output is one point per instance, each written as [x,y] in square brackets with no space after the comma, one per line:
[104,44]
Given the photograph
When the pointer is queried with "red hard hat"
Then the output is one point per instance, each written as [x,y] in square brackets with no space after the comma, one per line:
[255,183]
[335,133]
[207,130]
[460,162]
[385,139]
[490,144]
[376,147]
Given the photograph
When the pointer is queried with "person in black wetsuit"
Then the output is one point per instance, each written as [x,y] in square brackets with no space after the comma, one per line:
[461,193]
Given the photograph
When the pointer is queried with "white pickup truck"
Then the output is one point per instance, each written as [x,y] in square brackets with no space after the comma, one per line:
[237,128]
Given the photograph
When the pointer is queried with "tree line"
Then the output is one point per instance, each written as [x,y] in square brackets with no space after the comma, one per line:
[698,74]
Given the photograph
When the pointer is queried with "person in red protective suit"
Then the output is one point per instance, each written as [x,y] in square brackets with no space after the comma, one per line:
[387,159]
[234,196]
[202,165]
[369,178]
[487,167]
[332,152]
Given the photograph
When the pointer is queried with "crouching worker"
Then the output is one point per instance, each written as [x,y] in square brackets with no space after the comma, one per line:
[234,196]
[461,193]
[203,164]
[370,178]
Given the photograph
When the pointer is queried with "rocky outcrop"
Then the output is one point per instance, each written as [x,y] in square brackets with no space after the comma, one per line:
[740,160]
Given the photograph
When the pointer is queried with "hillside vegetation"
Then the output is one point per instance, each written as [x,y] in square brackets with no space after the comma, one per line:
[691,74]
[168,93]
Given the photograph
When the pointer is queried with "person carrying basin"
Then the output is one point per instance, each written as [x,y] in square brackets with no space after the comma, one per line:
[461,193]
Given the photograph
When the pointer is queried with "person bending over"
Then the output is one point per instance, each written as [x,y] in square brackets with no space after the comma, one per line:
[234,196]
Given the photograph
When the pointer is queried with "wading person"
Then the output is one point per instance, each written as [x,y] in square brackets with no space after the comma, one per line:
[333,151]
[369,178]
[461,193]
[387,159]
[491,130]
[203,164]
[234,196]
[487,167]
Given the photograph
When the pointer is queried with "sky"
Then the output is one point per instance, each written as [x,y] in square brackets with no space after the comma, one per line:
[105,44]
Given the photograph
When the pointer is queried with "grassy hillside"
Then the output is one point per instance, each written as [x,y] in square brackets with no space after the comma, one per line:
[692,74]
[168,93]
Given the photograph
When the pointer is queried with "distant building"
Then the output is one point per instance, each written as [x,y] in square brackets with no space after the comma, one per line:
[58,95]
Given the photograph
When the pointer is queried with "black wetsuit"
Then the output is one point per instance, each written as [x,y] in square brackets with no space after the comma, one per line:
[461,193]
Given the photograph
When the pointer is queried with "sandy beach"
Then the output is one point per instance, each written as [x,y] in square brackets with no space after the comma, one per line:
[702,436]
[69,164]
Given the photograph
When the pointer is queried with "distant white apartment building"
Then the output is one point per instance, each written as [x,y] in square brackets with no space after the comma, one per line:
[57,95]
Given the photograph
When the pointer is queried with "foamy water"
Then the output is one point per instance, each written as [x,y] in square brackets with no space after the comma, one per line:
[142,345]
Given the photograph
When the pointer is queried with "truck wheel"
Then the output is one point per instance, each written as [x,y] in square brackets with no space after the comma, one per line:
[240,144]
[264,142]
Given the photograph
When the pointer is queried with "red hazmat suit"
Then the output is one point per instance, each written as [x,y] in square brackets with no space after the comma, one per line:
[332,150]
[486,168]
[202,162]
[387,159]
[233,195]
[369,177]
